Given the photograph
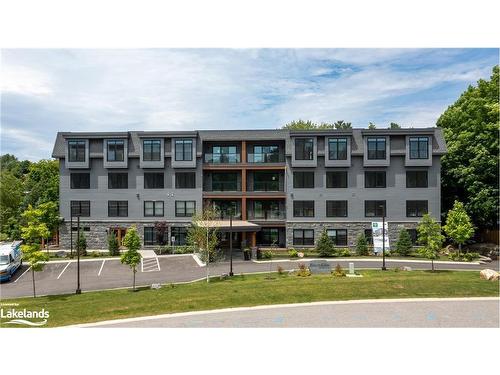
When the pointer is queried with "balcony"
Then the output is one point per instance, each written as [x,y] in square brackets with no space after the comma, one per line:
[266,157]
[267,186]
[222,158]
[225,186]
[267,215]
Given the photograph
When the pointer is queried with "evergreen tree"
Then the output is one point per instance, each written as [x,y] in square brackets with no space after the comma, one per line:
[361,245]
[404,245]
[325,246]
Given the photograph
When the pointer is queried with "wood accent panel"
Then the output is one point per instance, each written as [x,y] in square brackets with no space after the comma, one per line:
[253,238]
[237,167]
[243,151]
[243,208]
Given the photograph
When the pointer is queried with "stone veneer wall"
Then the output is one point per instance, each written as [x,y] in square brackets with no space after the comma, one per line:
[98,232]
[354,229]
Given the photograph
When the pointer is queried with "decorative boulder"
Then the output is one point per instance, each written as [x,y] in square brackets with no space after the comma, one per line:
[406,268]
[488,274]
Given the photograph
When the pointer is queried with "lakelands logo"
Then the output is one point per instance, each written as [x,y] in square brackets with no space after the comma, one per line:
[25,317]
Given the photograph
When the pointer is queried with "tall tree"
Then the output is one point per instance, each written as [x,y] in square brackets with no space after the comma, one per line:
[458,225]
[300,125]
[131,257]
[430,237]
[342,125]
[32,234]
[11,194]
[470,168]
[10,163]
[42,183]
[393,125]
[371,125]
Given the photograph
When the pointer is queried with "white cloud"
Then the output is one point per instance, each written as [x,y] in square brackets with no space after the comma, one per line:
[24,81]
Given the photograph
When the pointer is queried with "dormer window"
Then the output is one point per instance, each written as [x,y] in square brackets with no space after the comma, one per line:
[376,148]
[151,149]
[419,147]
[304,149]
[337,148]
[116,150]
[76,151]
[183,149]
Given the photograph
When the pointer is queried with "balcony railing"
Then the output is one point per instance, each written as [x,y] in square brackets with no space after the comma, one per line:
[266,186]
[266,158]
[270,215]
[226,186]
[222,158]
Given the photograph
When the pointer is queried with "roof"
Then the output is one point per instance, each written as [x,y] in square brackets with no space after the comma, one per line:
[357,134]
[238,225]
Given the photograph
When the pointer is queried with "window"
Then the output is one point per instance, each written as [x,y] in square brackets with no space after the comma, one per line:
[223,154]
[338,236]
[225,208]
[419,147]
[369,236]
[264,154]
[269,236]
[185,180]
[180,235]
[153,180]
[151,150]
[117,180]
[153,208]
[183,149]
[416,179]
[337,148]
[225,181]
[303,180]
[303,208]
[80,208]
[76,151]
[375,179]
[416,208]
[303,236]
[116,150]
[117,208]
[376,148]
[266,181]
[337,179]
[374,208]
[80,181]
[184,208]
[336,208]
[304,149]
[153,237]
[413,235]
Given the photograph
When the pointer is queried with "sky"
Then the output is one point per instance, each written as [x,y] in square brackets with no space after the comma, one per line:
[44,91]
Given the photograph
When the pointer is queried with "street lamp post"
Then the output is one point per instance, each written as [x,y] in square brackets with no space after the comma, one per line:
[231,243]
[383,238]
[78,290]
[71,234]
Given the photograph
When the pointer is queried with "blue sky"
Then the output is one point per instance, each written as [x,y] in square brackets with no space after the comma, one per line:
[44,91]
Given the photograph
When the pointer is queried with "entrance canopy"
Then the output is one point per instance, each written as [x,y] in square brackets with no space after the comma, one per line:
[238,225]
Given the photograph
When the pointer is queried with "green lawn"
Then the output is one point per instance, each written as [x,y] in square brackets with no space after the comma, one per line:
[251,290]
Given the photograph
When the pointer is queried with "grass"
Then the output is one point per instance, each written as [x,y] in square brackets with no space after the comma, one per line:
[252,290]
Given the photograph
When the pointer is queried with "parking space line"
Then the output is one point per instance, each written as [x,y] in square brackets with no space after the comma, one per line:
[158,263]
[100,269]
[22,274]
[64,269]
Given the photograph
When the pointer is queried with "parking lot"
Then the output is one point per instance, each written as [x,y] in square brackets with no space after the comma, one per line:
[59,277]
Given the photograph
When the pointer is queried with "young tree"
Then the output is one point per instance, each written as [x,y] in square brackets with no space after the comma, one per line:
[470,167]
[113,245]
[132,257]
[429,235]
[361,245]
[32,233]
[458,225]
[404,245]
[203,234]
[50,216]
[325,246]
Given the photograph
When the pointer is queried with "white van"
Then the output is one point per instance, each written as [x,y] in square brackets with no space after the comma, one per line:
[11,258]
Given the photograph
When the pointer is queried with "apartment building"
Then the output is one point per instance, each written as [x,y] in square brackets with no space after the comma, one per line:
[282,186]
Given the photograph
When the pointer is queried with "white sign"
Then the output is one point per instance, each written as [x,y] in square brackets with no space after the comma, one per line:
[172,240]
[378,236]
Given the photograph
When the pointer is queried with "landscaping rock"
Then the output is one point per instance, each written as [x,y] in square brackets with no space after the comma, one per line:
[448,250]
[406,268]
[61,254]
[488,274]
[484,259]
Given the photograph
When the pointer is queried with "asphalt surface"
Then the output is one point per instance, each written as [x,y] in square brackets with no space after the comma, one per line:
[60,277]
[473,312]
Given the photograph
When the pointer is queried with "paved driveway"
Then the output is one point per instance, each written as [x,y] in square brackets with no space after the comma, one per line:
[431,313]
[60,277]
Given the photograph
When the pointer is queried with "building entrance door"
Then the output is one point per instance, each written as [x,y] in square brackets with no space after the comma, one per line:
[119,233]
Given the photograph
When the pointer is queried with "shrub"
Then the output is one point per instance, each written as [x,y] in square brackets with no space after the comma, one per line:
[454,256]
[404,245]
[81,244]
[268,254]
[95,254]
[303,271]
[325,246]
[361,245]
[338,271]
[343,252]
[469,257]
[293,253]
[113,245]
